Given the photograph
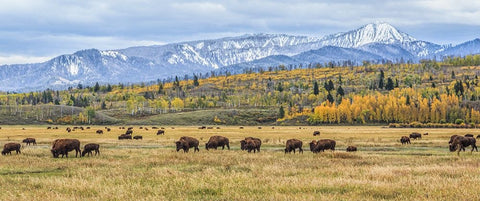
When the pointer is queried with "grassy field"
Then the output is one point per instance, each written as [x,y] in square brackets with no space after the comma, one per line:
[151,169]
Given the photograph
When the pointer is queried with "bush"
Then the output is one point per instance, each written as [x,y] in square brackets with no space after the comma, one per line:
[459,121]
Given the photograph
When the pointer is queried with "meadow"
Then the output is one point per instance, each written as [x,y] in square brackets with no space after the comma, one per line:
[151,169]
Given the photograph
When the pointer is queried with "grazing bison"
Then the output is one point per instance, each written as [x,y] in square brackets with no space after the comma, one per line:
[415,135]
[30,140]
[478,136]
[124,137]
[186,143]
[452,138]
[88,127]
[99,131]
[160,132]
[108,129]
[137,137]
[315,133]
[252,144]
[88,148]
[217,141]
[154,127]
[9,147]
[293,144]
[241,127]
[351,148]
[63,146]
[425,134]
[243,143]
[468,135]
[405,140]
[49,128]
[129,132]
[68,129]
[322,145]
[459,143]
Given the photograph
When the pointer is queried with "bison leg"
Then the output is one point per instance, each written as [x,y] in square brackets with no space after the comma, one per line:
[196,149]
[228,146]
[97,152]
[300,150]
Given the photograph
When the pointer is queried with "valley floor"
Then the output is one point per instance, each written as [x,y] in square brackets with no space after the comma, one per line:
[151,169]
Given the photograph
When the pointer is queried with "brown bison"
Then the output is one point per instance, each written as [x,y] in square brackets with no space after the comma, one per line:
[468,135]
[405,140]
[459,143]
[63,146]
[30,140]
[129,132]
[252,144]
[68,129]
[451,139]
[137,137]
[217,141]
[99,132]
[315,133]
[293,144]
[243,143]
[88,148]
[9,147]
[109,129]
[322,145]
[160,132]
[415,135]
[351,148]
[186,143]
[154,127]
[124,137]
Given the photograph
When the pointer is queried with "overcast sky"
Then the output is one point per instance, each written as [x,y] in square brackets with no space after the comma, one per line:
[37,30]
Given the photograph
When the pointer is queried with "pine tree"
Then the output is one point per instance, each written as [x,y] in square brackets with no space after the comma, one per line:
[389,85]
[315,88]
[96,88]
[195,81]
[340,91]
[281,112]
[381,79]
[330,98]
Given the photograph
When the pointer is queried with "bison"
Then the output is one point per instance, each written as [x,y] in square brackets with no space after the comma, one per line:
[468,135]
[138,137]
[478,136]
[63,146]
[9,147]
[452,138]
[129,132]
[415,135]
[405,140]
[252,144]
[324,144]
[351,148]
[186,143]
[88,148]
[30,140]
[109,129]
[293,144]
[124,137]
[459,143]
[154,127]
[243,143]
[217,141]
[99,132]
[315,133]
[160,132]
[68,129]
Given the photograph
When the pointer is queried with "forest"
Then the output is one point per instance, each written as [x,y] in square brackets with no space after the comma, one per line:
[431,91]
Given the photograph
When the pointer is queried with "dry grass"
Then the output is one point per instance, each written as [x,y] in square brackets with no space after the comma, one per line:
[150,169]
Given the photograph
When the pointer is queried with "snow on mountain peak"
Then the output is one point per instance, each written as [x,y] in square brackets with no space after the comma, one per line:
[379,32]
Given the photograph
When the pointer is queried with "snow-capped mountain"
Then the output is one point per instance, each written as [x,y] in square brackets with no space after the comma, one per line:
[376,41]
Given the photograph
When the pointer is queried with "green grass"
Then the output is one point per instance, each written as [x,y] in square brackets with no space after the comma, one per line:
[151,169]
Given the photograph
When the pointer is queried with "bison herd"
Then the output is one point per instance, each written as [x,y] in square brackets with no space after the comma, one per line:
[249,144]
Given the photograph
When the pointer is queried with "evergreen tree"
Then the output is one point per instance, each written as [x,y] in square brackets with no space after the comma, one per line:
[330,98]
[340,91]
[104,105]
[389,85]
[96,88]
[315,88]
[195,81]
[109,88]
[453,74]
[280,87]
[281,112]
[381,78]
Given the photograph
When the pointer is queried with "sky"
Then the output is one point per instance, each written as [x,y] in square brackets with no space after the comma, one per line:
[34,31]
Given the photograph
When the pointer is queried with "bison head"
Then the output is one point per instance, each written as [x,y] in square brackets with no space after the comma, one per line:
[55,153]
[179,145]
[242,144]
[452,147]
[25,140]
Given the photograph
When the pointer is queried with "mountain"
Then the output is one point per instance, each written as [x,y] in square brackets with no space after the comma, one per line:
[376,41]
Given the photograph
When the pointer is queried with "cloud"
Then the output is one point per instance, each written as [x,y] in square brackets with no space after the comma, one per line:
[38,28]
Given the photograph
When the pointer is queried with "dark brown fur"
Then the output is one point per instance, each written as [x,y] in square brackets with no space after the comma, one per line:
[468,135]
[63,146]
[293,144]
[252,144]
[415,135]
[30,140]
[315,133]
[160,132]
[217,141]
[405,140]
[99,131]
[124,137]
[88,148]
[9,147]
[243,143]
[186,143]
[351,148]
[459,143]
[137,137]
[323,145]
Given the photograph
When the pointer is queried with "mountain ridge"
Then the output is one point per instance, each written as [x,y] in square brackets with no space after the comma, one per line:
[375,41]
